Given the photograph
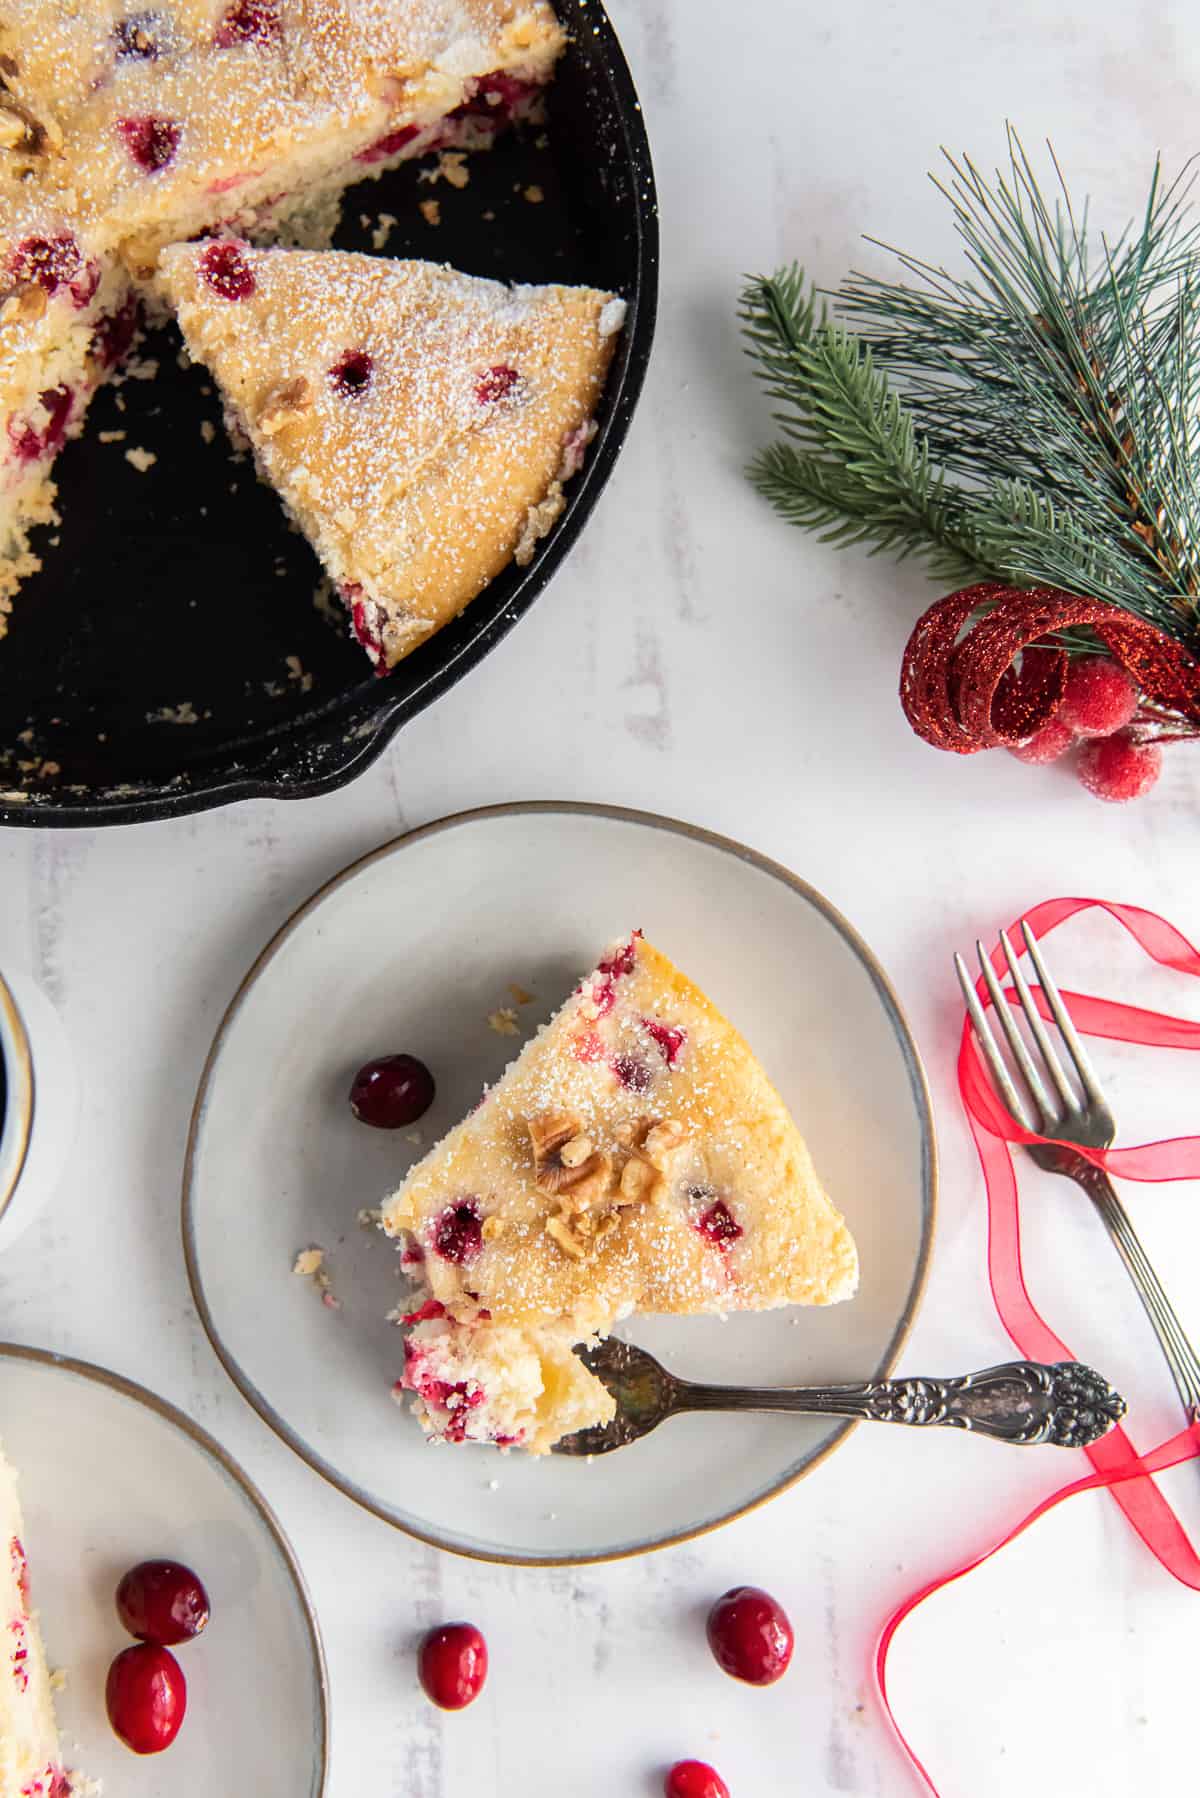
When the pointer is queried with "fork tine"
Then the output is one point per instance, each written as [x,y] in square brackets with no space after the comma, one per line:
[1062,1017]
[1016,1042]
[990,1051]
[1040,1035]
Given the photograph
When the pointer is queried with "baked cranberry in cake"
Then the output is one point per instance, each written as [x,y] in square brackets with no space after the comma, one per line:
[249,22]
[30,1761]
[458,1233]
[495,384]
[719,1226]
[151,142]
[352,374]
[227,271]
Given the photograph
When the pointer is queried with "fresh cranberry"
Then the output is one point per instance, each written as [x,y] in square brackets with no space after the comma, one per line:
[458,1233]
[249,22]
[227,271]
[114,334]
[719,1225]
[669,1038]
[138,37]
[693,1779]
[750,1636]
[632,1073]
[50,262]
[163,1602]
[352,373]
[146,1695]
[495,383]
[392,1091]
[151,142]
[387,146]
[453,1664]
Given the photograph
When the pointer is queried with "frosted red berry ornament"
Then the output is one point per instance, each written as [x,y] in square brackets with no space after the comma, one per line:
[1119,767]
[1045,745]
[1098,698]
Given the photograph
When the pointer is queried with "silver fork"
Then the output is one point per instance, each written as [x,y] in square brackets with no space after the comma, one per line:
[1072,1117]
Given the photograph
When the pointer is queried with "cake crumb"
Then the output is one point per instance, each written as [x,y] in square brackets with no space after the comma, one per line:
[297,674]
[503,1021]
[208,429]
[534,194]
[310,1265]
[112,436]
[58,1679]
[370,1217]
[142,368]
[414,1137]
[184,713]
[493,1485]
[431,212]
[383,230]
[519,993]
[451,166]
[26,736]
[489,216]
[141,459]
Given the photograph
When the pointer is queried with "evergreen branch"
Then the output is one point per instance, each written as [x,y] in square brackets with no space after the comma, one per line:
[1036,418]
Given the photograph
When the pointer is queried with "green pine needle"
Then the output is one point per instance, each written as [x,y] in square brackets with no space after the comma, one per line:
[1036,419]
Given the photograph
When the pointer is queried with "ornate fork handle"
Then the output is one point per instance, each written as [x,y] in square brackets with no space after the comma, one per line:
[1066,1404]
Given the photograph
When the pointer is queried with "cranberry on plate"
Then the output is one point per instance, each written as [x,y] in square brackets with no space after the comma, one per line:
[453,1664]
[146,1697]
[694,1779]
[163,1602]
[392,1091]
[750,1636]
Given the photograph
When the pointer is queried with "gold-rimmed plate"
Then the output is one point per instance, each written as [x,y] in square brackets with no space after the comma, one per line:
[412,949]
[111,1475]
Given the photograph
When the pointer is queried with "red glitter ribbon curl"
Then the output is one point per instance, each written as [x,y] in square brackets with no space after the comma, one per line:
[961,688]
[1116,1464]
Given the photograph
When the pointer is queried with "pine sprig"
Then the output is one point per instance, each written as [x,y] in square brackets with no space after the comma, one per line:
[1036,419]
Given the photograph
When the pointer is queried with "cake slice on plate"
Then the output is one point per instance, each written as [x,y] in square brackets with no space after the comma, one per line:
[30,1761]
[634,1157]
[418,423]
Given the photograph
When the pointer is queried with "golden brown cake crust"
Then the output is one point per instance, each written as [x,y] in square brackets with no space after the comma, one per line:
[688,1187]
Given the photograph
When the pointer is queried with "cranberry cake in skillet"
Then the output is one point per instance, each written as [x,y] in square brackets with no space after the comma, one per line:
[634,1157]
[418,423]
[125,127]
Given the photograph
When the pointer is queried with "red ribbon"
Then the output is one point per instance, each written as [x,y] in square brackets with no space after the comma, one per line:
[1116,1463]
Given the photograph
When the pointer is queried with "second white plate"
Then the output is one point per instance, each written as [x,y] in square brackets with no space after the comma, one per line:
[411,949]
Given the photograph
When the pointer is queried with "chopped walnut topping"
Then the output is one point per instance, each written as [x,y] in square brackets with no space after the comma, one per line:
[504,1021]
[639,1181]
[663,1139]
[565,1237]
[564,1160]
[283,405]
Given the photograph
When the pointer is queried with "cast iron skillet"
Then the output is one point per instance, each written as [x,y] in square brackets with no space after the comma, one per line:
[170,656]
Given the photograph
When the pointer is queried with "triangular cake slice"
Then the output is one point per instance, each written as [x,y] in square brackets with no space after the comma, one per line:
[634,1157]
[30,1760]
[417,423]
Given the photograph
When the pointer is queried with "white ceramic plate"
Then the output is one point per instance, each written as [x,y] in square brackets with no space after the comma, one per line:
[410,949]
[111,1475]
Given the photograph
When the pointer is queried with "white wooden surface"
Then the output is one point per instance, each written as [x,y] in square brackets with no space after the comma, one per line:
[698,658]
